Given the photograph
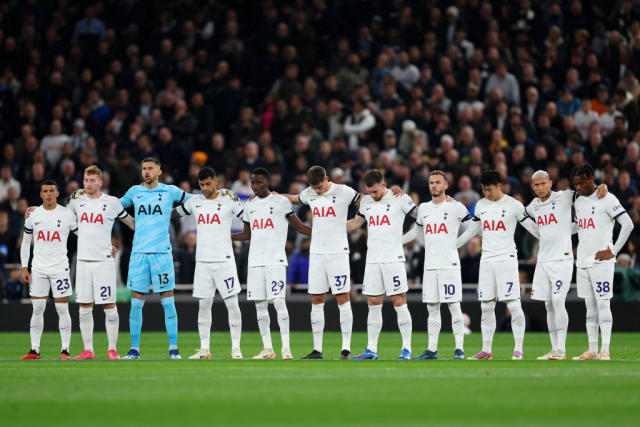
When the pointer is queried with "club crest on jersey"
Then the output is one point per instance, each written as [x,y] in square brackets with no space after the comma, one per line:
[445,215]
[159,197]
[333,199]
[593,210]
[436,228]
[493,225]
[379,220]
[324,212]
[388,207]
[48,236]
[270,210]
[547,219]
[91,218]
[219,206]
[104,207]
[262,223]
[553,205]
[586,223]
[503,212]
[59,222]
[149,210]
[208,219]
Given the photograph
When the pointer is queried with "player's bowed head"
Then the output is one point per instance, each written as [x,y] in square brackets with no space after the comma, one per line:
[491,183]
[583,179]
[375,185]
[208,182]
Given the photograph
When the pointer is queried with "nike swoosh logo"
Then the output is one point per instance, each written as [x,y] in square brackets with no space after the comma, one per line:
[84,204]
[252,211]
[315,323]
[198,206]
[139,197]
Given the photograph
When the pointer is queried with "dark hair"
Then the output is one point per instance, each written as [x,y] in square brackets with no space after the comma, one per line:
[262,172]
[315,175]
[583,170]
[48,182]
[372,177]
[206,172]
[490,177]
[151,160]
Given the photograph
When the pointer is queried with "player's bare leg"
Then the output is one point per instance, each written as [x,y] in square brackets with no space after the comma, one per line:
[405,324]
[488,328]
[262,314]
[86,330]
[235,325]
[346,323]
[374,326]
[283,321]
[36,326]
[317,325]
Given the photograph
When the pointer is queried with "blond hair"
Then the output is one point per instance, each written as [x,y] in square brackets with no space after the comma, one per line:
[93,170]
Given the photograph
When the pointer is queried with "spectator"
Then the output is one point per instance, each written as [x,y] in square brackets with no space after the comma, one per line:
[7,182]
[506,82]
[358,124]
[53,142]
[466,195]
[404,72]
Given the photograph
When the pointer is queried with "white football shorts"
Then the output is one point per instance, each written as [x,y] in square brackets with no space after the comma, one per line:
[551,278]
[442,285]
[596,282]
[209,276]
[388,278]
[499,280]
[265,283]
[59,283]
[96,282]
[329,272]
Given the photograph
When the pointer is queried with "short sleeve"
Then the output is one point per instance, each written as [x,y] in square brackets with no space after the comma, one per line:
[245,214]
[73,222]
[72,206]
[178,195]
[127,199]
[462,211]
[118,209]
[362,207]
[186,208]
[287,207]
[568,195]
[407,204]
[520,211]
[419,217]
[613,207]
[304,196]
[28,224]
[238,209]
[351,194]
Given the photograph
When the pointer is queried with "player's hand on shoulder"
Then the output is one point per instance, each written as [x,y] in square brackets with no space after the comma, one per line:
[448,198]
[396,190]
[30,209]
[603,190]
[76,194]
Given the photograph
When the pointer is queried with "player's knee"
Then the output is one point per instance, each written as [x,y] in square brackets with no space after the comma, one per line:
[433,308]
[318,298]
[558,302]
[342,298]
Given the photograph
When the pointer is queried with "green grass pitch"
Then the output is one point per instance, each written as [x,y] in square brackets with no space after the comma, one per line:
[158,392]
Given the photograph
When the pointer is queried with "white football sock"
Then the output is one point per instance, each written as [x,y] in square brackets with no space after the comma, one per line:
[518,323]
[64,324]
[374,326]
[317,325]
[561,322]
[434,324]
[405,324]
[457,324]
[37,322]
[605,319]
[112,325]
[551,324]
[346,324]
[204,322]
[86,327]
[235,320]
[487,324]
[592,324]
[283,321]
[262,312]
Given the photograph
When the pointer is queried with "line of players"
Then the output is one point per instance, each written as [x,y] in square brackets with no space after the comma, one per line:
[266,216]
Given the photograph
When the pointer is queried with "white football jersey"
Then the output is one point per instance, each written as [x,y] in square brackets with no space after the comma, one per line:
[95,218]
[498,222]
[50,230]
[440,224]
[268,221]
[385,219]
[214,219]
[330,210]
[553,218]
[596,218]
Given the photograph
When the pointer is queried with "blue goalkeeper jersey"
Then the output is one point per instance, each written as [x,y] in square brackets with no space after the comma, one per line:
[152,211]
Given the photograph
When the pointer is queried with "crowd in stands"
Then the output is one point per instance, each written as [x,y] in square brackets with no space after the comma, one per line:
[405,86]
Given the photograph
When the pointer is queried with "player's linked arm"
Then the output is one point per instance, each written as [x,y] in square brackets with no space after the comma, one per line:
[293,198]
[243,235]
[129,221]
[298,225]
[355,223]
[528,224]
[469,233]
